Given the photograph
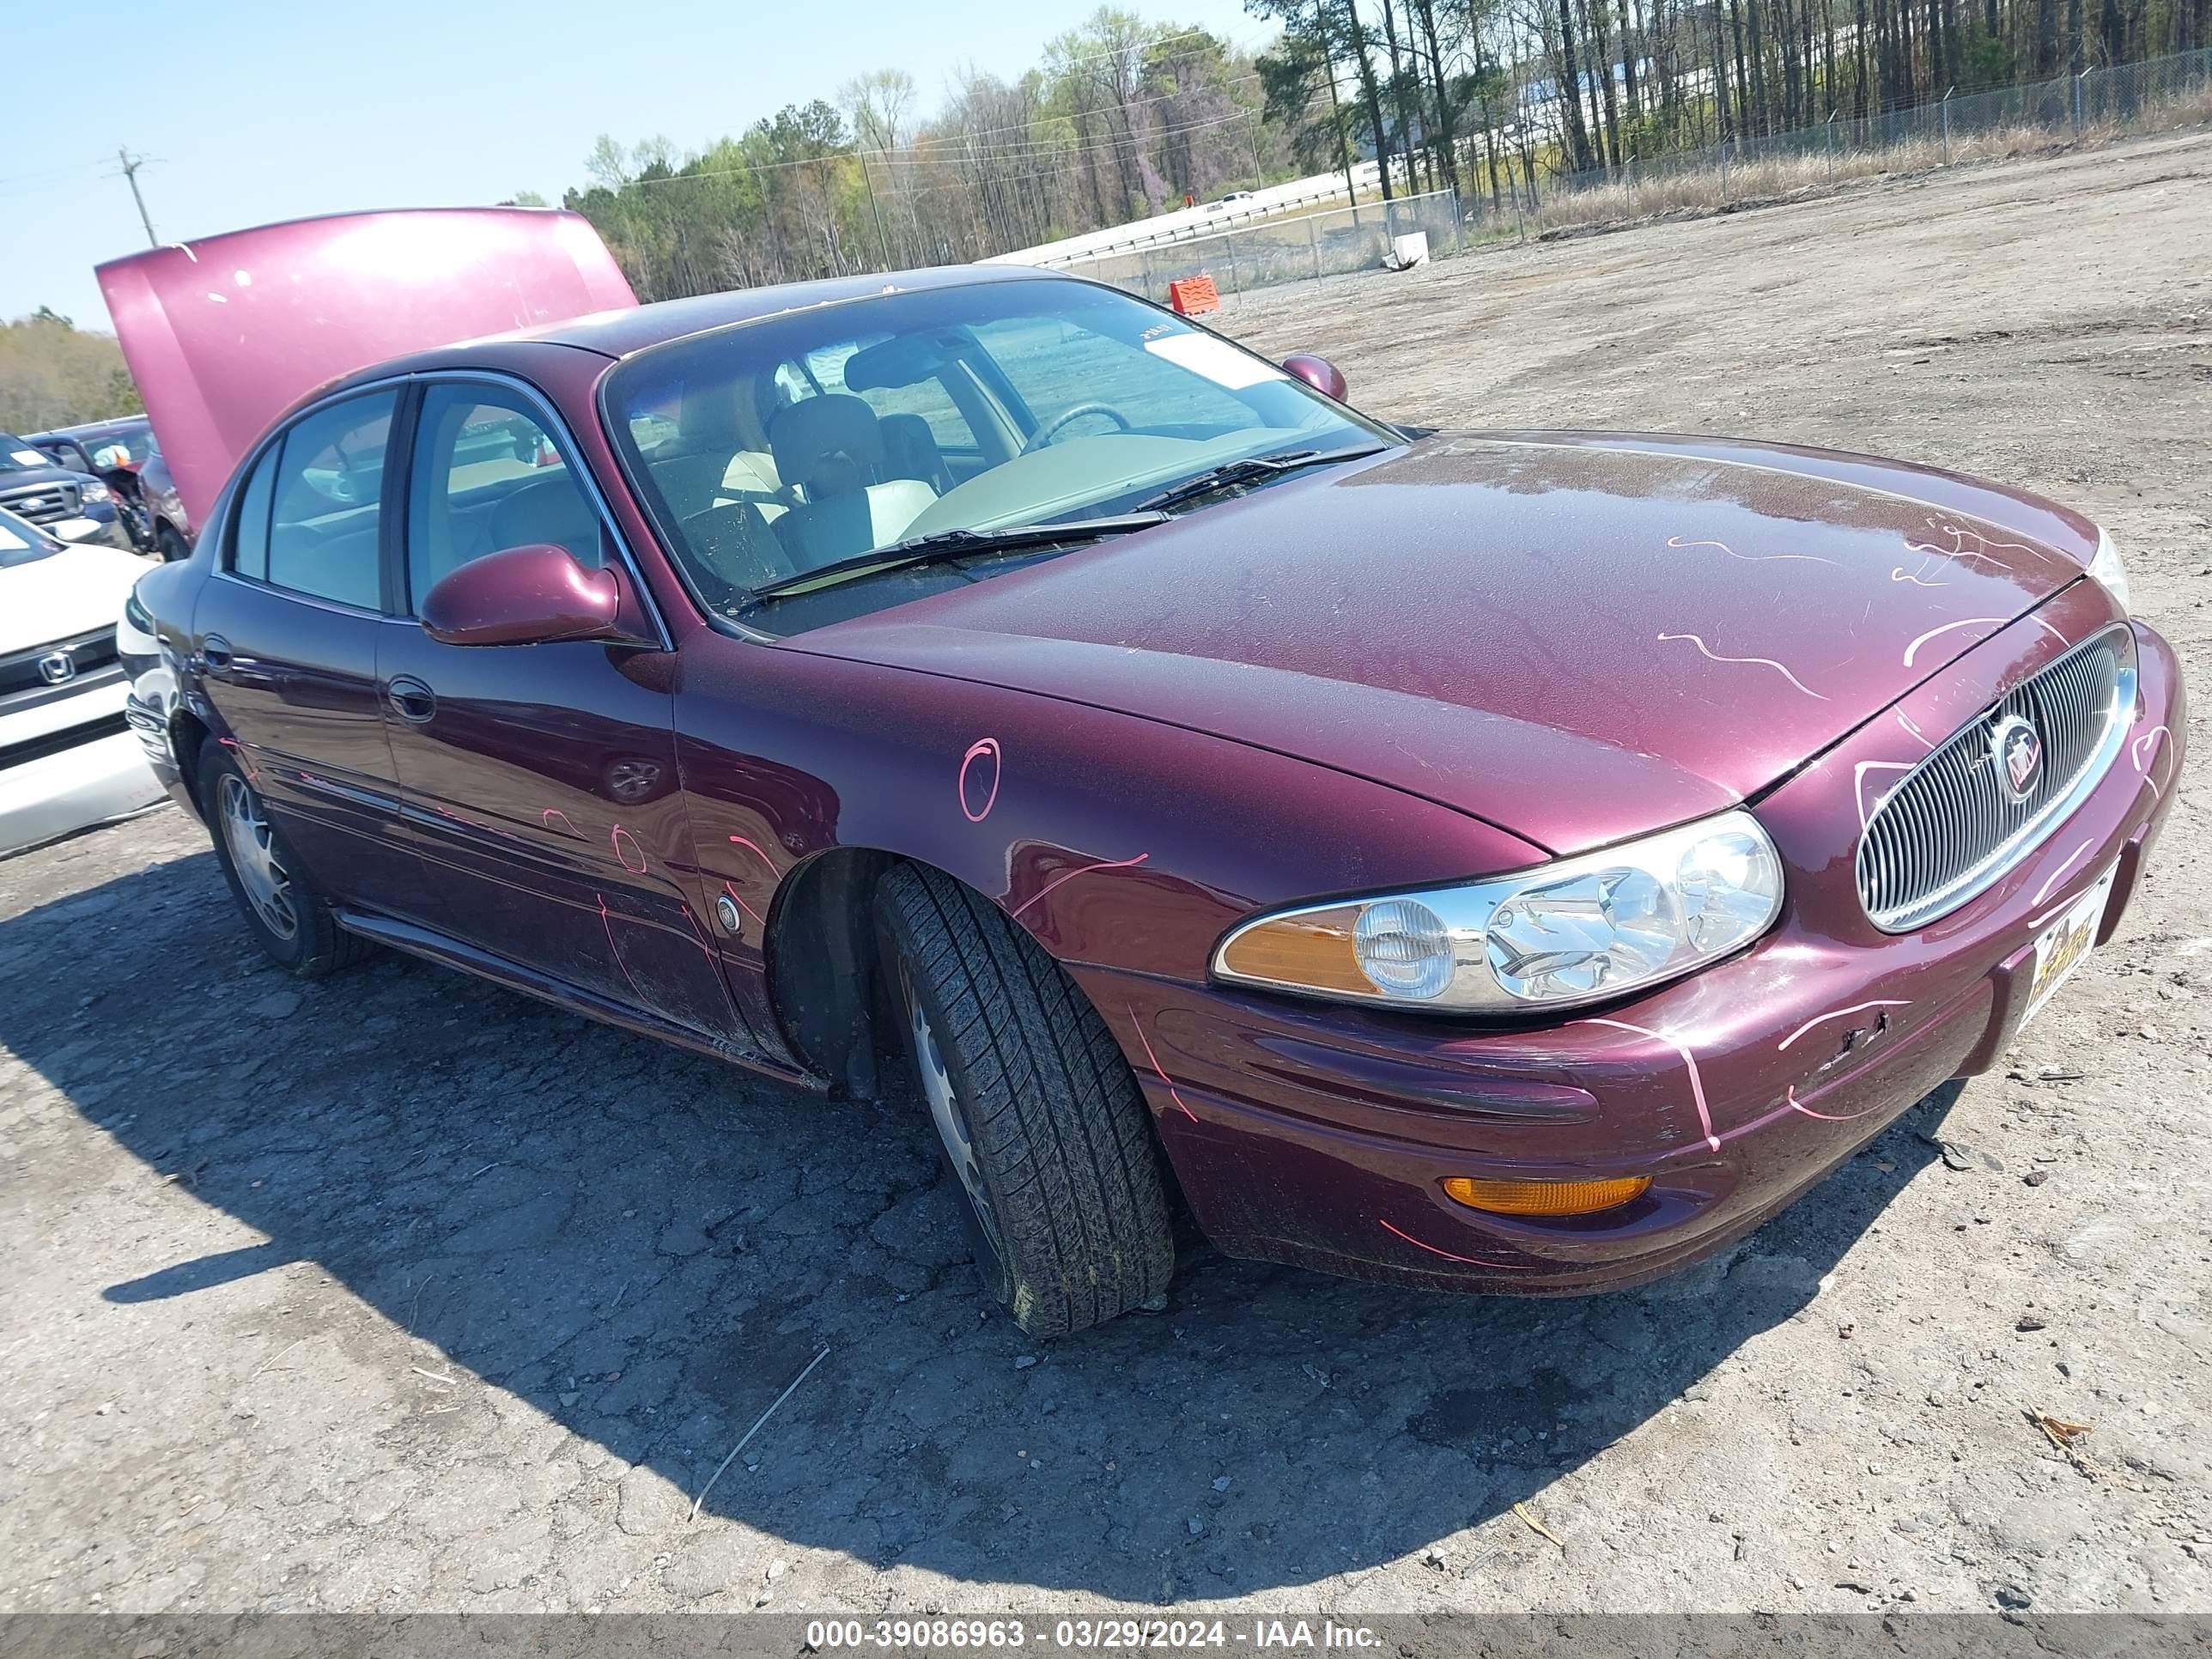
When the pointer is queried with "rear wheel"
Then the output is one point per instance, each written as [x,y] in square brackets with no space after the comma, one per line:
[285,911]
[1036,1112]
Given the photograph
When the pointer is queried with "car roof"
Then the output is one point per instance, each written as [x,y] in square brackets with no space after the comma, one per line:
[619,333]
[89,428]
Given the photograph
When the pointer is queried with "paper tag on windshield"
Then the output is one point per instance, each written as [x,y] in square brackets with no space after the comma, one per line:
[1216,359]
[28,458]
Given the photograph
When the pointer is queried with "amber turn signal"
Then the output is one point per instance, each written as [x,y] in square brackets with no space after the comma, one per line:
[1313,950]
[1545,1197]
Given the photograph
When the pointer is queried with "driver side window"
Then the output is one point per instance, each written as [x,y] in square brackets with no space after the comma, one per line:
[487,476]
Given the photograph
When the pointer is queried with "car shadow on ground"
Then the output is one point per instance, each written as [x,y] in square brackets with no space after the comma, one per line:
[648,1248]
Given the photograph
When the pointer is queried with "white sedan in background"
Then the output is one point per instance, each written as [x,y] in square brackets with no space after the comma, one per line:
[67,759]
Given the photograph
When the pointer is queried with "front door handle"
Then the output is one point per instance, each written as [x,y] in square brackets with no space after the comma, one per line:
[214,655]
[412,700]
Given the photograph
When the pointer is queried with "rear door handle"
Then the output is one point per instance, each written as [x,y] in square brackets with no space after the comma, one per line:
[412,700]
[214,655]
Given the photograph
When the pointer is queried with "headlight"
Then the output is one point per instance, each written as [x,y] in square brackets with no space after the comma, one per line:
[1574,931]
[134,613]
[92,491]
[2107,568]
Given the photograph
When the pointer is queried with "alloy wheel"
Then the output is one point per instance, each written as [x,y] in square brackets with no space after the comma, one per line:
[261,873]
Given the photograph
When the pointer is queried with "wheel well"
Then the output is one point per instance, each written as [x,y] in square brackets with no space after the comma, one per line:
[188,734]
[821,952]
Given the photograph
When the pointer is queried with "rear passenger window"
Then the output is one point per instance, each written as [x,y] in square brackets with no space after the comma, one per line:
[486,475]
[325,514]
[249,535]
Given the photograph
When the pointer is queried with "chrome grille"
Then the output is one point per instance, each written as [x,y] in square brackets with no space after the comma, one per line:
[42,504]
[1950,829]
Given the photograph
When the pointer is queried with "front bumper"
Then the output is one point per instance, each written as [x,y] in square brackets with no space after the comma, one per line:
[86,784]
[1320,1136]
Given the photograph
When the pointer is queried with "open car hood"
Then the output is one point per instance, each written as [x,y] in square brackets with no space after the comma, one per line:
[224,334]
[1576,639]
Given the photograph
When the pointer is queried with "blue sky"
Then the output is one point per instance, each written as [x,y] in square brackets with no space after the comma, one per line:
[262,110]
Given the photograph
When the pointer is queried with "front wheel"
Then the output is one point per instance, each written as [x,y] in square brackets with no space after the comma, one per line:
[1038,1115]
[169,545]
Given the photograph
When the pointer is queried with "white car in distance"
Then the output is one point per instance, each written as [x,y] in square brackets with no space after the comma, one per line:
[67,759]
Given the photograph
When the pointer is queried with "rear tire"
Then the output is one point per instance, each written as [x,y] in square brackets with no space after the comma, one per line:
[1037,1112]
[287,915]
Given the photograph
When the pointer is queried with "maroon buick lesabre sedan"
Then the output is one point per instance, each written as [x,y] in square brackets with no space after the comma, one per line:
[1495,861]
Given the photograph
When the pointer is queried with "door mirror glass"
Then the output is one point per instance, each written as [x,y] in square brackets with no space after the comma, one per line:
[1322,375]
[533,594]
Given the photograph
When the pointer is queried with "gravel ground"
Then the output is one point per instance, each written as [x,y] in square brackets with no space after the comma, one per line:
[399,1292]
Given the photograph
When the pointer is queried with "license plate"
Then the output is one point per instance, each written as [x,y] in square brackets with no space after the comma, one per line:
[2064,945]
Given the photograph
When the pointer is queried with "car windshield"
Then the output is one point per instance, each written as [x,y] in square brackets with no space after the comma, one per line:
[17,454]
[810,440]
[21,543]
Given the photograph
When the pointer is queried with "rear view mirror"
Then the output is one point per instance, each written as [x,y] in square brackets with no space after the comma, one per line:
[1319,373]
[534,594]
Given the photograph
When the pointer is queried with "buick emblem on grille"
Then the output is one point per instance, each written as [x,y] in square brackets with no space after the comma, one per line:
[57,668]
[2017,748]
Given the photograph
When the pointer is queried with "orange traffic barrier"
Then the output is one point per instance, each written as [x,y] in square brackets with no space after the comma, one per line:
[1193,296]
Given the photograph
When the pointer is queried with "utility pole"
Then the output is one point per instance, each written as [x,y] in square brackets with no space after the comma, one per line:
[131,164]
[875,212]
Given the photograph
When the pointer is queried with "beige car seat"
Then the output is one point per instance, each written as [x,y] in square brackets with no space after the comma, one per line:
[831,447]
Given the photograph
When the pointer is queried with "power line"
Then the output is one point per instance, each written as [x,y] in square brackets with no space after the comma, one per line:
[1112,143]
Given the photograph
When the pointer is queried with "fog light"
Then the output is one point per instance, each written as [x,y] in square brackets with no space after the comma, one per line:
[1545,1197]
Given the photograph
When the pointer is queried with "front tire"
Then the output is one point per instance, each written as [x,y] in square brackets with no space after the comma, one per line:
[1037,1114]
[287,915]
[169,545]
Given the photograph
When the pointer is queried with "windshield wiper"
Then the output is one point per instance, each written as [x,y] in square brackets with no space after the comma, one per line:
[943,546]
[1251,470]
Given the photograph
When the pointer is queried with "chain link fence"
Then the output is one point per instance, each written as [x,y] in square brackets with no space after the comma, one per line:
[1979,126]
[1289,250]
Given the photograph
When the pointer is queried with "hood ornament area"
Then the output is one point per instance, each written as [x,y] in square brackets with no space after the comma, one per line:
[2017,748]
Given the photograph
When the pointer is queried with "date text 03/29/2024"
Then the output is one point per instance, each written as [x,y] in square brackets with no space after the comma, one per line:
[1110,1634]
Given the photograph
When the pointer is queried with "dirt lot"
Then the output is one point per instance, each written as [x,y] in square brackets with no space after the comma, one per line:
[396,1292]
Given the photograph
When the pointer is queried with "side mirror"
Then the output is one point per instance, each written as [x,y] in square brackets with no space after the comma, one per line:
[1319,373]
[534,594]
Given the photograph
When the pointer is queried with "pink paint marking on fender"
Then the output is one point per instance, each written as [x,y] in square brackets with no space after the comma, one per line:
[553,812]
[1855,1008]
[253,772]
[737,899]
[1689,1060]
[1917,735]
[607,922]
[1155,1060]
[750,847]
[1763,662]
[976,751]
[2059,874]
[617,838]
[1070,875]
[1495,1266]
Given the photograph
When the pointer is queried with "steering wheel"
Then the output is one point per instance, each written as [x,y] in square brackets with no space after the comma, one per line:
[1045,433]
